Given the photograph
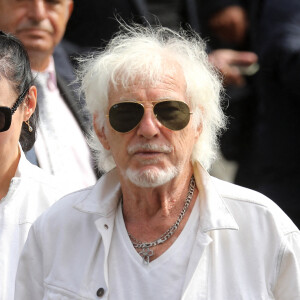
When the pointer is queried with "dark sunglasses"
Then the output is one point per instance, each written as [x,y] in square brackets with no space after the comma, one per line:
[125,116]
[6,112]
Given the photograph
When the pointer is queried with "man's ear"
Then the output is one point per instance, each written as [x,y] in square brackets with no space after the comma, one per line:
[198,131]
[198,114]
[30,103]
[70,8]
[100,132]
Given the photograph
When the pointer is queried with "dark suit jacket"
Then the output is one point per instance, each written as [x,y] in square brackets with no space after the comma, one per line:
[277,131]
[68,87]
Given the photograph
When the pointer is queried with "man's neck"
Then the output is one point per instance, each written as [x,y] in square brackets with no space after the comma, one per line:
[39,62]
[164,201]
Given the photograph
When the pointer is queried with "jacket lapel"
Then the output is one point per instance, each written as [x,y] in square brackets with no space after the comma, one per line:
[75,104]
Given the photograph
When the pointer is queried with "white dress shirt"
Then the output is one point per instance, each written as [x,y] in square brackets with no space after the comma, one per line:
[245,247]
[61,147]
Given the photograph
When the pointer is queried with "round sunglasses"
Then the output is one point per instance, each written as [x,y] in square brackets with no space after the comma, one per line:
[125,116]
[7,112]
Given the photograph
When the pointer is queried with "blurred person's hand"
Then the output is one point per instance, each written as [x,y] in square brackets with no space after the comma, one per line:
[230,24]
[229,63]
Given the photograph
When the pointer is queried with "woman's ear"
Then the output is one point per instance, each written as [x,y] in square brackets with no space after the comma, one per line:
[30,103]
[100,132]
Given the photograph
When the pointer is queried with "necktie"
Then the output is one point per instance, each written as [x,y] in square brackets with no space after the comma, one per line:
[51,81]
[50,151]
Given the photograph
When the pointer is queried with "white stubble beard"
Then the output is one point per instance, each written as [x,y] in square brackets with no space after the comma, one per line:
[151,178]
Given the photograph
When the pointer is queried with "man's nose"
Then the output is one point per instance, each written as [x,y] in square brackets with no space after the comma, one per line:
[37,10]
[149,126]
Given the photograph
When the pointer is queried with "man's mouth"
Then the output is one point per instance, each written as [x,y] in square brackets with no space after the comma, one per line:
[149,149]
[33,30]
[37,27]
[148,153]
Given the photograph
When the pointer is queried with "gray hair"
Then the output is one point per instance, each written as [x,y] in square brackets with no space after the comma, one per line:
[140,51]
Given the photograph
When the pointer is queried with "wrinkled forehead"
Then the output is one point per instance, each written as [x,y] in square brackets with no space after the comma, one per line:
[166,77]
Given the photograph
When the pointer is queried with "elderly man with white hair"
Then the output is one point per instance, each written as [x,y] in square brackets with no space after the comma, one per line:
[156,225]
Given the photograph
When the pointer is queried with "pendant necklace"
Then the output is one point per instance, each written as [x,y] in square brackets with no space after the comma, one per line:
[145,247]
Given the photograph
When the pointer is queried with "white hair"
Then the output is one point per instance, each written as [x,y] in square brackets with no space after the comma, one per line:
[141,51]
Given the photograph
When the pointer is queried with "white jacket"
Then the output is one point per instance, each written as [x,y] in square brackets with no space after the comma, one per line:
[245,248]
[31,191]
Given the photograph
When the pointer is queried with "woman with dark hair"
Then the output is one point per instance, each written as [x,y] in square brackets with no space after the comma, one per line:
[25,190]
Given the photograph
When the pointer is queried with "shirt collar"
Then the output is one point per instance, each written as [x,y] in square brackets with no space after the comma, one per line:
[22,165]
[215,215]
[49,74]
[104,196]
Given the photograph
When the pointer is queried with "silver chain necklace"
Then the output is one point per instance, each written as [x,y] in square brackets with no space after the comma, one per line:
[146,252]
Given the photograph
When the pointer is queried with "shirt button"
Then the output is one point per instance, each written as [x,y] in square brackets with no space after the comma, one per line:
[100,292]
[105,226]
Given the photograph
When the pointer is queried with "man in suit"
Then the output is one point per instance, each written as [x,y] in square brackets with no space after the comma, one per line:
[267,150]
[60,147]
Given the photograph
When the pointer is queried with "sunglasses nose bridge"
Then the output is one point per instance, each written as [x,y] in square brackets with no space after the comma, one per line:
[149,109]
[148,125]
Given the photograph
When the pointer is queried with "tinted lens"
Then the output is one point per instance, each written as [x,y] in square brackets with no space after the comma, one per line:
[174,115]
[5,118]
[124,116]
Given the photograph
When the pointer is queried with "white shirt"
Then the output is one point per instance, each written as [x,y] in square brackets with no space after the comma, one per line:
[245,246]
[61,147]
[132,279]
[31,191]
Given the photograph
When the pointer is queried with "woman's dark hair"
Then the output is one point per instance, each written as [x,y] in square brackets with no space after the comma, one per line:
[15,67]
